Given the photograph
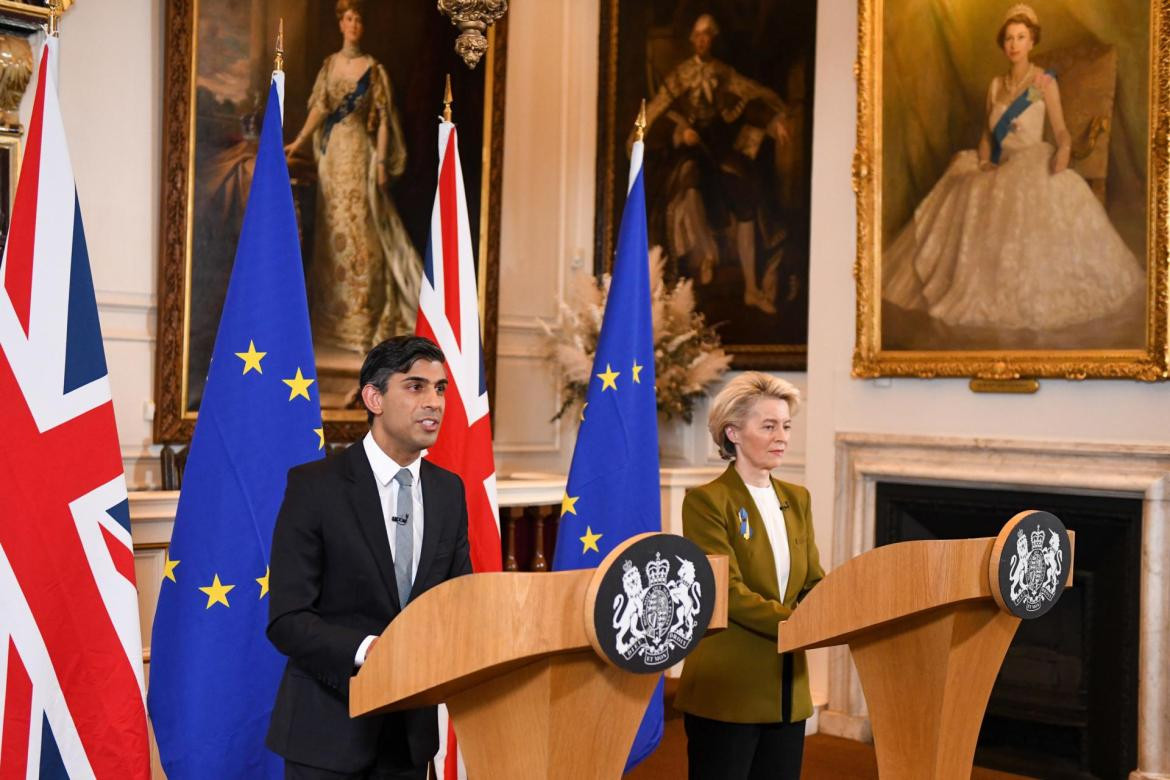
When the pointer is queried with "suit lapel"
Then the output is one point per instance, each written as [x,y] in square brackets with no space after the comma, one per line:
[367,507]
[432,520]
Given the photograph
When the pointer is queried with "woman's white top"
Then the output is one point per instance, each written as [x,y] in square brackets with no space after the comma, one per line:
[768,503]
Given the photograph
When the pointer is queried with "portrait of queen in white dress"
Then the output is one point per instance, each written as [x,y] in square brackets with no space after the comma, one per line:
[1010,240]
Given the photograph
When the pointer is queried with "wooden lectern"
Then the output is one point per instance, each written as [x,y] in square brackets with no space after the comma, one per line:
[528,689]
[928,630]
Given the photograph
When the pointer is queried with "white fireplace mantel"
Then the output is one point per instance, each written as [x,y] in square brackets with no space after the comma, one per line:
[1129,471]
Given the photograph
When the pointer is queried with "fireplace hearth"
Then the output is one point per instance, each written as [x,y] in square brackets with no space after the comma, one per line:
[1073,475]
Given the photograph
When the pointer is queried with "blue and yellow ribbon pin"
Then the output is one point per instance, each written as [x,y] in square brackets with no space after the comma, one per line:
[745,530]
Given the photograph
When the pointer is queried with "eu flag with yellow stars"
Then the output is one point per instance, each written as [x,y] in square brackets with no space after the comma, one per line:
[613,489]
[213,672]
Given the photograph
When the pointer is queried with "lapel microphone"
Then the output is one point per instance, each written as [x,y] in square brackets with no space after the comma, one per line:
[784,505]
[401,520]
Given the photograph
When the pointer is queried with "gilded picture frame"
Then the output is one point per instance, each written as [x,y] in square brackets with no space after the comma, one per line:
[886,342]
[21,24]
[752,181]
[26,10]
[415,46]
[10,149]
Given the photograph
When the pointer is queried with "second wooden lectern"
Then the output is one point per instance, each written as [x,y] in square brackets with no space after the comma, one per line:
[928,624]
[535,669]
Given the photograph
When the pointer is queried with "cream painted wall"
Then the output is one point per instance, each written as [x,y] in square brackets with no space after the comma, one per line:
[111,100]
[547,218]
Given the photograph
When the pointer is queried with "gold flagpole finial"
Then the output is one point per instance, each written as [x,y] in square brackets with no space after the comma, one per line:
[278,62]
[55,11]
[447,100]
[640,122]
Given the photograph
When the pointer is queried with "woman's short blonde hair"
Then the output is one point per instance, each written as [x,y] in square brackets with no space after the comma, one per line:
[735,400]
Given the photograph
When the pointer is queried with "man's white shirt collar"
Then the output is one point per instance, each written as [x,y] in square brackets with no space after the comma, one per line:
[384,467]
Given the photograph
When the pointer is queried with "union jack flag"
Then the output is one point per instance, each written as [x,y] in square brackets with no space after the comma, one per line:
[448,314]
[70,647]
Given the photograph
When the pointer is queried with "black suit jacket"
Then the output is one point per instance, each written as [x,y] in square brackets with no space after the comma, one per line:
[331,585]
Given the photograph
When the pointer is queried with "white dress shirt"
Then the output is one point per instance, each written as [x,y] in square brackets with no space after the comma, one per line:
[769,505]
[385,469]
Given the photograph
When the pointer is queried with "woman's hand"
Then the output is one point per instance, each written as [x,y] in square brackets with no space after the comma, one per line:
[291,149]
[690,137]
[987,165]
[1060,160]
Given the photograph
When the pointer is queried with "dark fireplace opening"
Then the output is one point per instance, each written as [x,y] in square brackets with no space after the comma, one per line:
[1065,703]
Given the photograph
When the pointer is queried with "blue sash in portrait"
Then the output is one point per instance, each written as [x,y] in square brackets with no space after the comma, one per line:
[348,104]
[1018,106]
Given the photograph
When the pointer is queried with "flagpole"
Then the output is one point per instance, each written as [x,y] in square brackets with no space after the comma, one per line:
[447,101]
[278,67]
[55,12]
[636,150]
[278,60]
[56,9]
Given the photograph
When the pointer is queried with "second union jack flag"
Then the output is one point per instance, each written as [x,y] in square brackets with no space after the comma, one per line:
[448,314]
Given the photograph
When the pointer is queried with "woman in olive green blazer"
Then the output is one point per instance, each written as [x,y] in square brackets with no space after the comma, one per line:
[744,703]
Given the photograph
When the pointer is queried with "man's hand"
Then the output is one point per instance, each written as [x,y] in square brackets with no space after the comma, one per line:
[690,137]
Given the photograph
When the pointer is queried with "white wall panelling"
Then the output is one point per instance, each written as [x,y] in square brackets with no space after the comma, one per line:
[547,219]
[527,399]
[110,87]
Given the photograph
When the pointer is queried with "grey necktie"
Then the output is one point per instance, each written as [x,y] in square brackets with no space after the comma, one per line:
[403,536]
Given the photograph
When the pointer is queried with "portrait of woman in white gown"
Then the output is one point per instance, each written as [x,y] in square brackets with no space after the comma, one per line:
[1011,246]
[364,85]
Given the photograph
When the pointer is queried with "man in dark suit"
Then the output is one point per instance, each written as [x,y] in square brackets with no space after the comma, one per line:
[354,532]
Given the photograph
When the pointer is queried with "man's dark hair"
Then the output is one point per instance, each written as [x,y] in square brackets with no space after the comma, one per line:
[395,355]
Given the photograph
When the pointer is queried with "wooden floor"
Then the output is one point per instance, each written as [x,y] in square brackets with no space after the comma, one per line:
[825,758]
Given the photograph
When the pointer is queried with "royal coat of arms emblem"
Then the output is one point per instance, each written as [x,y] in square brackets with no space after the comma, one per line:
[1035,569]
[654,615]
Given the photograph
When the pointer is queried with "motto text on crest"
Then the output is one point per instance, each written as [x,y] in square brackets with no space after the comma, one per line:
[654,616]
[1035,569]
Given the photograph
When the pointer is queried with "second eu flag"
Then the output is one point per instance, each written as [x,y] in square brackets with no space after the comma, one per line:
[213,672]
[613,489]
